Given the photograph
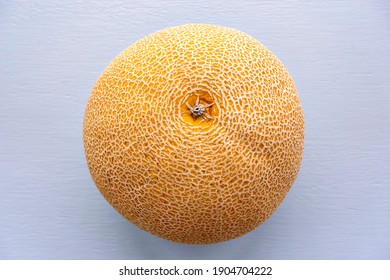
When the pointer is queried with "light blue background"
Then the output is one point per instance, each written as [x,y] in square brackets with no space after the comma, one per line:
[52,52]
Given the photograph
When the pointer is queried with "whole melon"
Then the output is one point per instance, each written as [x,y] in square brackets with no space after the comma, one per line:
[194,133]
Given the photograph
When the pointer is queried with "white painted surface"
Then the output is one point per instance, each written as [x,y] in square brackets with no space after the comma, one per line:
[51,53]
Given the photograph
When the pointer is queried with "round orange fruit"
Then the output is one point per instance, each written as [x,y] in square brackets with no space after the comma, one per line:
[194,133]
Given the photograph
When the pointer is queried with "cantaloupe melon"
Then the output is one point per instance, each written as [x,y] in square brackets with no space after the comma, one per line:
[194,133]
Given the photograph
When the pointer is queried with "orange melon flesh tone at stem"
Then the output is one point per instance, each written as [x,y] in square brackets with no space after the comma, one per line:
[194,133]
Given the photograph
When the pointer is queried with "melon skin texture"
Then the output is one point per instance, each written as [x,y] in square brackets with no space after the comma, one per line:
[202,175]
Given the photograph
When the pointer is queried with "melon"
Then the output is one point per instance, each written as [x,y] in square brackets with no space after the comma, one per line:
[194,133]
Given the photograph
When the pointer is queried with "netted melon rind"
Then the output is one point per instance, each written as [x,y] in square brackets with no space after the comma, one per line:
[194,182]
